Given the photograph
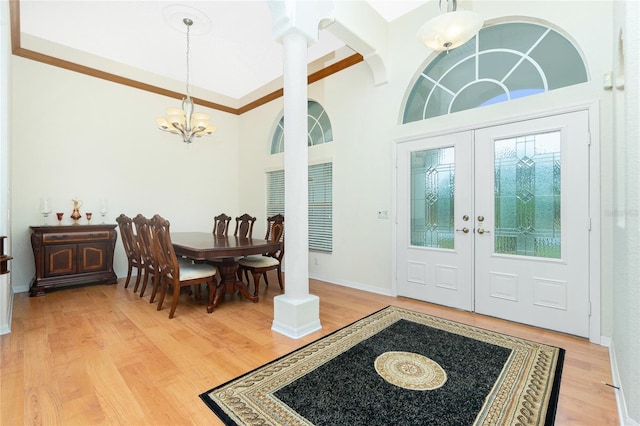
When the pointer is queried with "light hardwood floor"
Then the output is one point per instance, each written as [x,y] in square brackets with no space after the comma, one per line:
[101,355]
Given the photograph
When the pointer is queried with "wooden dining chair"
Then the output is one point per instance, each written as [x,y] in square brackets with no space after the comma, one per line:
[244,229]
[177,272]
[244,226]
[145,241]
[260,265]
[131,250]
[221,224]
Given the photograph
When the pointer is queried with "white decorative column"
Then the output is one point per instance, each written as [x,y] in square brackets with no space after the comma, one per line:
[296,312]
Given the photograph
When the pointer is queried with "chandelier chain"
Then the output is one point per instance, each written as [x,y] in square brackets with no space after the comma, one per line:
[188,24]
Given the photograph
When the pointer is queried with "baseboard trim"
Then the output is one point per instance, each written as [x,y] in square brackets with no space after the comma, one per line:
[353,285]
[6,328]
[625,420]
[20,289]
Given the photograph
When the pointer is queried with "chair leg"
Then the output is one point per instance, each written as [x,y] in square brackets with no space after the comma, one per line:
[138,277]
[212,292]
[280,277]
[266,280]
[126,283]
[163,292]
[156,285]
[145,281]
[174,302]
[256,282]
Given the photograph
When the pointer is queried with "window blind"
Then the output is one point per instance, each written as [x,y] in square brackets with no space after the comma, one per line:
[321,207]
[320,203]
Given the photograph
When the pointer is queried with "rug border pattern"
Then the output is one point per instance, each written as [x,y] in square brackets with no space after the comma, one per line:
[519,396]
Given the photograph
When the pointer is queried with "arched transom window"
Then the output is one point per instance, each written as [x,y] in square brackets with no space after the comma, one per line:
[503,62]
[319,127]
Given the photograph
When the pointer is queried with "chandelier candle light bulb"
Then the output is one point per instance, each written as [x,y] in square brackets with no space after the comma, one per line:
[184,121]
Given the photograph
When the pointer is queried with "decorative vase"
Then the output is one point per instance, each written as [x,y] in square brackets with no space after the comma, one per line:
[76,211]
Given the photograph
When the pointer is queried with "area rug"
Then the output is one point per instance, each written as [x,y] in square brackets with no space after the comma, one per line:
[399,367]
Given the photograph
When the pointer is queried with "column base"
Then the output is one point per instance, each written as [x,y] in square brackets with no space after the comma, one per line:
[296,318]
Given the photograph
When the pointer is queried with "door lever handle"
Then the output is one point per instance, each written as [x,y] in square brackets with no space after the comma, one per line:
[482,231]
[465,230]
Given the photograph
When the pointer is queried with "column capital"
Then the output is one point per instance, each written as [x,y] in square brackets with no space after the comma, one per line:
[302,17]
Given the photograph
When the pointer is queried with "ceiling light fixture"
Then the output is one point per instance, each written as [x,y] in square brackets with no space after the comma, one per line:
[450,29]
[184,121]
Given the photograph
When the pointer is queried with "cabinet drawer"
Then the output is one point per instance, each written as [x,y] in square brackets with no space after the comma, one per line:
[75,237]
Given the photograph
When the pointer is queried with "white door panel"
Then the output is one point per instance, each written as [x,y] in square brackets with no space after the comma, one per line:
[434,263]
[536,246]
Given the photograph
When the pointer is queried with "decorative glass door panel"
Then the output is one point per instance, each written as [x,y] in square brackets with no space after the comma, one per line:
[432,198]
[527,189]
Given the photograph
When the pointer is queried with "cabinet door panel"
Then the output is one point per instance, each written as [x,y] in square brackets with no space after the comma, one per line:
[92,257]
[59,260]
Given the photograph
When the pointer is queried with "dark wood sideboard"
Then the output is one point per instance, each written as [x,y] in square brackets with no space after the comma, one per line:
[4,259]
[68,255]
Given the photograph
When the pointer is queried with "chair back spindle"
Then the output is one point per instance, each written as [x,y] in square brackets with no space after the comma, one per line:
[131,249]
[244,226]
[275,232]
[221,225]
[163,248]
[145,240]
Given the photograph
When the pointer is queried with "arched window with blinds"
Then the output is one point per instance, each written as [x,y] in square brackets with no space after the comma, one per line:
[320,187]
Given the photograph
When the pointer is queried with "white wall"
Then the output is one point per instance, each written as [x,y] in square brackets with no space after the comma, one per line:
[74,135]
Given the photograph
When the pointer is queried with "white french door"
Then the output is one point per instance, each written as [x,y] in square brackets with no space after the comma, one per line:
[435,192]
[496,220]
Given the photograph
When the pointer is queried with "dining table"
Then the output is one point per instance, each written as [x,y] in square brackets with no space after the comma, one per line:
[201,246]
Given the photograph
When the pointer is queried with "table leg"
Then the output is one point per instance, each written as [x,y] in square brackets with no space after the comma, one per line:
[229,283]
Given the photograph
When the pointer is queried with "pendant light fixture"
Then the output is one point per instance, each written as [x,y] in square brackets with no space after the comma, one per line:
[450,29]
[184,121]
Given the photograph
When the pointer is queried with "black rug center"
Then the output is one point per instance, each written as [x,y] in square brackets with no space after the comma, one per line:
[348,391]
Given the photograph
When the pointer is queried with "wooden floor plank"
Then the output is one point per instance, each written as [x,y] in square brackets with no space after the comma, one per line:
[103,355]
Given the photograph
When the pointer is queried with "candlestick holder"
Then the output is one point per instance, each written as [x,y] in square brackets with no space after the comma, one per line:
[45,209]
[104,208]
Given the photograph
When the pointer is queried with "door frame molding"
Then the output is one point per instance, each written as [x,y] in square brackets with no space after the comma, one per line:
[593,110]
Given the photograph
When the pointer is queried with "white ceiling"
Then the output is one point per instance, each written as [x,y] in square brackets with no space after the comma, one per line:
[233,52]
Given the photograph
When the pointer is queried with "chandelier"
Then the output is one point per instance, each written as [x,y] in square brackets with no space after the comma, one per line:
[450,29]
[184,121]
